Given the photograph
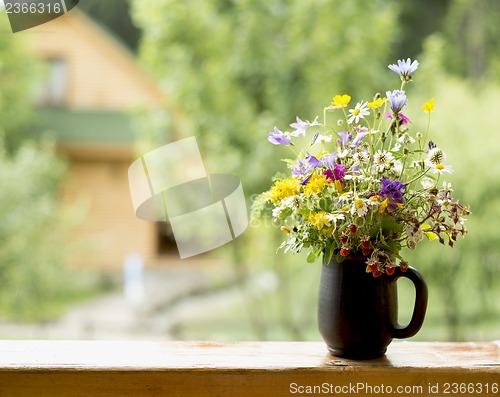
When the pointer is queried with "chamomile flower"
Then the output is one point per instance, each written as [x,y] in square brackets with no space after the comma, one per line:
[406,139]
[361,157]
[359,207]
[323,138]
[440,168]
[427,183]
[335,217]
[436,156]
[383,159]
[359,112]
[345,197]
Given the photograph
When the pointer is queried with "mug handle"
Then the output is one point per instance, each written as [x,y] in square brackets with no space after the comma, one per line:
[417,318]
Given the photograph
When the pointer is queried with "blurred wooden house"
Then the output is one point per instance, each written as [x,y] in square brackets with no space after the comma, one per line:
[91,85]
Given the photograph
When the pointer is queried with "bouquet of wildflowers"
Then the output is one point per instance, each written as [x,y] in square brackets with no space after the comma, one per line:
[365,185]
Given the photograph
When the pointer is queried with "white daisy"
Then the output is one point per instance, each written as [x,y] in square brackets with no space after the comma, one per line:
[440,168]
[382,159]
[344,197]
[359,207]
[359,112]
[436,156]
[427,183]
[361,157]
[323,139]
[335,217]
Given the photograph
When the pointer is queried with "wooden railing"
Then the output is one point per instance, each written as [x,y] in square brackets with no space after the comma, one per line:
[100,368]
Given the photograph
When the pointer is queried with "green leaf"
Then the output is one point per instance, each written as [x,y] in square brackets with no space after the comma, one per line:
[431,236]
[285,213]
[311,257]
[327,256]
[279,176]
[258,206]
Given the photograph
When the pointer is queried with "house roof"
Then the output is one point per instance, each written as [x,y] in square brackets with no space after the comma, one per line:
[88,126]
[104,83]
[90,133]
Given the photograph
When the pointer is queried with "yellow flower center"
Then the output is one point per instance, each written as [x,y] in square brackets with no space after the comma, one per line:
[359,203]
[440,166]
[356,112]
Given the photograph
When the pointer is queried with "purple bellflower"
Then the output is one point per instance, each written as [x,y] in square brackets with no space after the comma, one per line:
[278,137]
[305,166]
[300,128]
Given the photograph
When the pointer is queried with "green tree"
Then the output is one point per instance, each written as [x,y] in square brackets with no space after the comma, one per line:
[17,73]
[31,253]
[115,15]
[470,33]
[237,68]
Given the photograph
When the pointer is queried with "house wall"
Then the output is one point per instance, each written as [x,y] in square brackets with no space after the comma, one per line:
[102,74]
[107,229]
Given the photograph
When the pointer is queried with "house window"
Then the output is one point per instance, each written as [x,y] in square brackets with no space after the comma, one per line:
[53,88]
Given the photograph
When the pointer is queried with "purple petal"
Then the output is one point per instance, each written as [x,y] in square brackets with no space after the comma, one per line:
[277,137]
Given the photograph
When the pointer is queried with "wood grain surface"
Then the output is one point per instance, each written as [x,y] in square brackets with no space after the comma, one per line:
[111,368]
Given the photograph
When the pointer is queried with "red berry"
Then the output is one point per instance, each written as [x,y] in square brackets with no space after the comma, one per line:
[353,228]
[365,243]
[344,251]
[344,238]
[403,268]
[377,273]
[373,267]
[366,251]
[390,270]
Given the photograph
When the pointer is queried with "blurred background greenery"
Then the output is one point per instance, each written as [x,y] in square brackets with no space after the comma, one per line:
[232,69]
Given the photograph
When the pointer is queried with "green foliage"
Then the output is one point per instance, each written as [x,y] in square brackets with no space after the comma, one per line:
[16,81]
[239,67]
[31,253]
[470,34]
[466,278]
[116,16]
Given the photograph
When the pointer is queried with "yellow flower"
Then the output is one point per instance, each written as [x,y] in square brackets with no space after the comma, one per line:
[319,219]
[338,185]
[285,229]
[377,103]
[316,184]
[341,101]
[282,189]
[384,205]
[429,105]
[374,199]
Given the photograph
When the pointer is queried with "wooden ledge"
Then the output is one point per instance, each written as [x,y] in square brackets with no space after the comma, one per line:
[101,368]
